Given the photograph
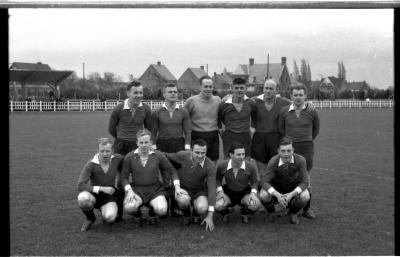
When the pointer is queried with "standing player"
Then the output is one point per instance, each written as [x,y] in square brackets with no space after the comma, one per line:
[203,112]
[170,130]
[145,166]
[97,186]
[235,114]
[285,182]
[302,127]
[128,117]
[194,183]
[241,182]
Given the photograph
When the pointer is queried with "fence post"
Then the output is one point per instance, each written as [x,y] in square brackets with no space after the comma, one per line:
[40,106]
[55,109]
[12,105]
[93,106]
[330,104]
[80,105]
[105,106]
[67,105]
[380,103]
[26,106]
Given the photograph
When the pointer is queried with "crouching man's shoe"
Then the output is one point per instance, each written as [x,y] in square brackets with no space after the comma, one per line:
[87,224]
[309,214]
[294,219]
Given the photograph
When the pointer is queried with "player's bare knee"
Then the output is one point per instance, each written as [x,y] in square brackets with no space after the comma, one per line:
[201,206]
[183,203]
[109,216]
[264,196]
[303,198]
[220,205]
[161,209]
[86,201]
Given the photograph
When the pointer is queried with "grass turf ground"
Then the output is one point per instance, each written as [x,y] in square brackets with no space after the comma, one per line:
[353,195]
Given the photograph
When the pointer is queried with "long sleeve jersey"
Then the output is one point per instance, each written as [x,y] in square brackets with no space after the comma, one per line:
[149,174]
[285,178]
[246,176]
[125,126]
[234,121]
[298,129]
[163,126]
[93,175]
[193,176]
[203,113]
[266,121]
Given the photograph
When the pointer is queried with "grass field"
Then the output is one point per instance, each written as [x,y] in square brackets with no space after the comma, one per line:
[353,195]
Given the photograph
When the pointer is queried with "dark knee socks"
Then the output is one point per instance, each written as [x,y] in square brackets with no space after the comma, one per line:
[89,215]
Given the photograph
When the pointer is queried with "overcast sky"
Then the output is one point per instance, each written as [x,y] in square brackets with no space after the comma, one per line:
[127,41]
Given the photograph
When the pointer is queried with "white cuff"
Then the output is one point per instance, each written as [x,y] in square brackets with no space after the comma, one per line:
[187,147]
[127,187]
[271,190]
[254,190]
[219,189]
[96,189]
[176,182]
[298,190]
[211,208]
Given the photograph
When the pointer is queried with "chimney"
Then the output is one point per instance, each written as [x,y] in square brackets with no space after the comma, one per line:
[251,61]
[202,67]
[283,62]
[158,63]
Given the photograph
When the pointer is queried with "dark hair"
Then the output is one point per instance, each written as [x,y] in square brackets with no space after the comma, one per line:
[170,85]
[298,86]
[285,141]
[134,83]
[235,145]
[238,81]
[199,142]
[203,78]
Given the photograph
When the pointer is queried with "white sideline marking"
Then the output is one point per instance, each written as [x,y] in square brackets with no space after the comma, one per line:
[356,173]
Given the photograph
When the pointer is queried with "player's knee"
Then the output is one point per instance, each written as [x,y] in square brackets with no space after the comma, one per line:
[161,208]
[109,216]
[265,197]
[220,205]
[86,201]
[201,206]
[302,199]
[183,203]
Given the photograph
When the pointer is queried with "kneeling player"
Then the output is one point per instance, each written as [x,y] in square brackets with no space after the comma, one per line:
[285,182]
[97,186]
[191,181]
[241,184]
[146,188]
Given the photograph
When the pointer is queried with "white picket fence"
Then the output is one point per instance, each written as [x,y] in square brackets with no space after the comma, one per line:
[94,105]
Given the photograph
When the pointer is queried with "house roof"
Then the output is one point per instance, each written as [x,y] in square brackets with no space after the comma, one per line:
[163,71]
[30,66]
[326,82]
[38,76]
[223,77]
[198,72]
[259,71]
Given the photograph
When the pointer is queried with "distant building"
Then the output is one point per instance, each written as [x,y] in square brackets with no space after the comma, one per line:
[189,80]
[36,80]
[326,89]
[257,73]
[156,77]
[340,83]
[222,82]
